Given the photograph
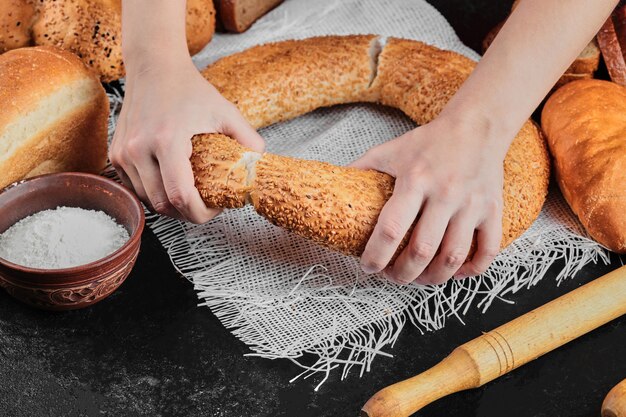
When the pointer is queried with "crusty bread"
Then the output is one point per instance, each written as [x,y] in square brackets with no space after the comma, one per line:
[585,123]
[612,41]
[86,28]
[238,15]
[334,206]
[16,19]
[279,81]
[200,24]
[338,206]
[89,28]
[54,116]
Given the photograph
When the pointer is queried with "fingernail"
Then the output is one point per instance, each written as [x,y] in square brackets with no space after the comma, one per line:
[387,275]
[460,276]
[368,269]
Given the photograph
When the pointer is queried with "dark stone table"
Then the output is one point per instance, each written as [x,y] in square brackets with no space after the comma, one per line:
[148,350]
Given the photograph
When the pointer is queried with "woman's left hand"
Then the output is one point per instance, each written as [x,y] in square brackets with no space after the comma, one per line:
[449,176]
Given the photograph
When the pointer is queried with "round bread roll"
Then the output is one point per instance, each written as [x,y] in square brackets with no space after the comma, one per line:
[54,116]
[339,206]
[92,29]
[585,123]
[16,19]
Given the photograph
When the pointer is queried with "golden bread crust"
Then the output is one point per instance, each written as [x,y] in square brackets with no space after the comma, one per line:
[419,79]
[238,15]
[92,30]
[526,180]
[87,29]
[223,182]
[336,206]
[16,19]
[200,24]
[585,123]
[70,137]
[279,81]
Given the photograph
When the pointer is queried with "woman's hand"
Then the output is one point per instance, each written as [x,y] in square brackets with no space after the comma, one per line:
[167,102]
[449,172]
[450,178]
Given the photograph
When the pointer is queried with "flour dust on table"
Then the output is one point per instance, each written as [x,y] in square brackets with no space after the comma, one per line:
[288,298]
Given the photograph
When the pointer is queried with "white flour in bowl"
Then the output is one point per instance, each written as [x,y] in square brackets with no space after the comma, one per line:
[62,238]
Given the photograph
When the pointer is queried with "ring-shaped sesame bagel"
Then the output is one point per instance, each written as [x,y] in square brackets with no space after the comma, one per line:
[338,206]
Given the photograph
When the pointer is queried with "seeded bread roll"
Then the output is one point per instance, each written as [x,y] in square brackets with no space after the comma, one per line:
[92,29]
[279,81]
[585,123]
[54,116]
[16,19]
[338,206]
[330,205]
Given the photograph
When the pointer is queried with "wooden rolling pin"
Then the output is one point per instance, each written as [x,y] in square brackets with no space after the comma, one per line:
[509,346]
[614,404]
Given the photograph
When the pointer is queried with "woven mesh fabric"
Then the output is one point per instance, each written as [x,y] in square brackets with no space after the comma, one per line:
[285,297]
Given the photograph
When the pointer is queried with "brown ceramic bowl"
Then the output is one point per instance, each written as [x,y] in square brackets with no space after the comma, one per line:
[81,286]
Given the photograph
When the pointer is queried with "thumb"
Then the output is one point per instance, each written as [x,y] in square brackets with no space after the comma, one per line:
[240,130]
[370,159]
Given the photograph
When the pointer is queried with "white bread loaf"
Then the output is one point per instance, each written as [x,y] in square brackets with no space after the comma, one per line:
[585,123]
[54,115]
[338,206]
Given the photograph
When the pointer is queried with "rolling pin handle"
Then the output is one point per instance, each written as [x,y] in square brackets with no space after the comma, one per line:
[455,373]
[614,404]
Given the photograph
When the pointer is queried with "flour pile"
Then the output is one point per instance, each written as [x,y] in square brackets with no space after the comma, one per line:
[62,238]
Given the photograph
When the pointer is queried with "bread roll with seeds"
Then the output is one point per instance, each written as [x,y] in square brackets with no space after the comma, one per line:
[16,20]
[278,81]
[54,116]
[92,29]
[338,206]
[331,205]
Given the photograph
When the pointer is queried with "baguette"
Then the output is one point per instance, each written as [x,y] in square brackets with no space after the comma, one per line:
[337,206]
[238,15]
[585,123]
[54,117]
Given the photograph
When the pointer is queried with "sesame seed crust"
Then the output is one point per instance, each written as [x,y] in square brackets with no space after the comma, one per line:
[91,29]
[338,206]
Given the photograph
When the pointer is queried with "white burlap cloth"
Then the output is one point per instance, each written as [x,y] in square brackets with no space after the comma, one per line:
[285,297]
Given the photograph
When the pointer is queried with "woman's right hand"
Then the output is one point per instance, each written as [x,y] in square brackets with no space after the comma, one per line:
[168,101]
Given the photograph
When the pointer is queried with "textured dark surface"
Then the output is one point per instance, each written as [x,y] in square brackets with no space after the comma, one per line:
[148,350]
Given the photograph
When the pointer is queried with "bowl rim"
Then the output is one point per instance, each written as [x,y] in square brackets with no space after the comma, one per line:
[132,239]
